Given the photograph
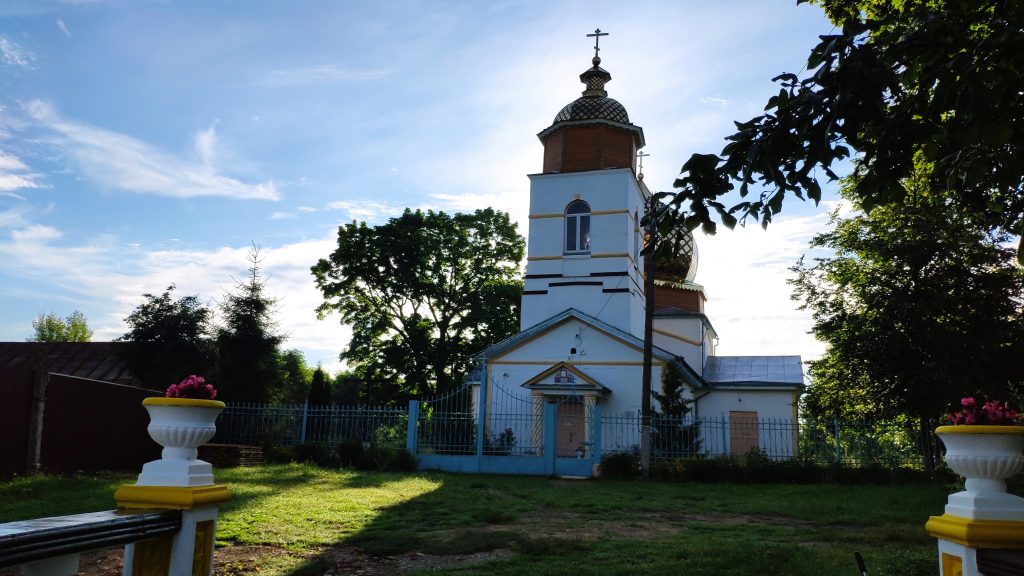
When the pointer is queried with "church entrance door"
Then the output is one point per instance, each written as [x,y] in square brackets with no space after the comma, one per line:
[571,421]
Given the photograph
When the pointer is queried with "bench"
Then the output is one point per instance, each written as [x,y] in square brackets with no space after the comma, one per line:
[28,541]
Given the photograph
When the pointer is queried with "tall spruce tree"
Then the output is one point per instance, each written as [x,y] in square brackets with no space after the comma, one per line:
[247,344]
[320,389]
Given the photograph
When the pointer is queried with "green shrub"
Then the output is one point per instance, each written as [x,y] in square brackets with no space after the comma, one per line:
[620,466]
[278,454]
[756,468]
[350,453]
[315,453]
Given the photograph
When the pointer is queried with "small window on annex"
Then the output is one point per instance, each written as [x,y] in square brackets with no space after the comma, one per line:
[577,228]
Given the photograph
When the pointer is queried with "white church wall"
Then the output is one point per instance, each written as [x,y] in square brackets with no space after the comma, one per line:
[556,344]
[614,197]
[623,383]
[773,404]
[682,337]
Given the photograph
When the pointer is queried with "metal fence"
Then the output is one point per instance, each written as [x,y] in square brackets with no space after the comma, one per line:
[888,444]
[449,425]
[289,424]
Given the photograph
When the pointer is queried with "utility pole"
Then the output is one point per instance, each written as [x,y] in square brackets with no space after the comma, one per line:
[645,390]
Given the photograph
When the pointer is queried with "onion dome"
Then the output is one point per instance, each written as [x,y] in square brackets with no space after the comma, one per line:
[592,132]
[681,268]
[675,292]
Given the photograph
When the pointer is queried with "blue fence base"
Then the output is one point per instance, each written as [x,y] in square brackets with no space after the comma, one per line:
[511,465]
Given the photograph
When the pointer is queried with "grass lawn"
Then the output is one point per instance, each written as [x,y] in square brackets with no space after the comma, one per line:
[296,519]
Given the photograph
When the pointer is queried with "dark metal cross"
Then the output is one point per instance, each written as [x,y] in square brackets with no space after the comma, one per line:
[640,156]
[597,39]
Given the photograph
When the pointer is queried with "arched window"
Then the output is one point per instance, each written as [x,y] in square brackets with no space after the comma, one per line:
[577,228]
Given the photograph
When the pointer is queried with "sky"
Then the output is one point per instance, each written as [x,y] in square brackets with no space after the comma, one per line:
[150,143]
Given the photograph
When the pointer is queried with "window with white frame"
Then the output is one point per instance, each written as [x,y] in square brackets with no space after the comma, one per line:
[577,228]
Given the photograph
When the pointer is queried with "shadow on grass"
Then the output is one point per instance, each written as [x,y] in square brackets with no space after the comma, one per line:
[390,522]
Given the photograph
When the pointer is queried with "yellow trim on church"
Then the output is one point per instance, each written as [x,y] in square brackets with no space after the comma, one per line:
[601,255]
[677,337]
[592,213]
[576,362]
[977,533]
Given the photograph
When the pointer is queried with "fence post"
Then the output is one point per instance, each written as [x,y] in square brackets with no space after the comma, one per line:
[725,436]
[305,415]
[411,427]
[481,413]
[550,437]
[595,457]
[835,434]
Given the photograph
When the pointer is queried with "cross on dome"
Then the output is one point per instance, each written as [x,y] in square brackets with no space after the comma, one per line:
[597,39]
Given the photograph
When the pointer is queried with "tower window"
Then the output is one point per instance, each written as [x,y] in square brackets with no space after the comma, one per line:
[577,228]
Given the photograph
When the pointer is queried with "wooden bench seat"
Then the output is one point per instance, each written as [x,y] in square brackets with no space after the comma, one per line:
[31,540]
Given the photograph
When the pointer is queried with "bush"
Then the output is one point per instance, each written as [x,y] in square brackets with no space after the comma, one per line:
[278,454]
[620,466]
[315,453]
[756,468]
[351,453]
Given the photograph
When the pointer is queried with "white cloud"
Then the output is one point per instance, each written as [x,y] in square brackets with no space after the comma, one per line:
[35,234]
[118,161]
[9,162]
[282,216]
[321,74]
[14,175]
[14,55]
[369,211]
[713,100]
[306,209]
[10,182]
[205,143]
[13,217]
[744,272]
[63,27]
[112,276]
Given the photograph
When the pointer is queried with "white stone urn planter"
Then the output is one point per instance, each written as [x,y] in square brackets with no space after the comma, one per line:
[986,456]
[180,425]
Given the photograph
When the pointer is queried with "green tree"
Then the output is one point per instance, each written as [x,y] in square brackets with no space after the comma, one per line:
[346,389]
[670,399]
[422,292]
[169,339]
[53,328]
[247,344]
[919,304]
[938,78]
[320,389]
[295,386]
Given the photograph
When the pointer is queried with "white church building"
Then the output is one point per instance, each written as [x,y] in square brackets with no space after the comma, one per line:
[582,317]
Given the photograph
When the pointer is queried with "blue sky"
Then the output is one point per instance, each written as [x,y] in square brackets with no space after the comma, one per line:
[150,143]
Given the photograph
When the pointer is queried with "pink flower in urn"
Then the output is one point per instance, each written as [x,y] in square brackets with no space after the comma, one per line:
[991,413]
[192,387]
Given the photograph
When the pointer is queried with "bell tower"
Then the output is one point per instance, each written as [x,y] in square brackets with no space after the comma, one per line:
[585,211]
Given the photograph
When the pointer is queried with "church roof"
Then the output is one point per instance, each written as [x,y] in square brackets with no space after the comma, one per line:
[754,372]
[595,107]
[91,360]
[589,108]
[691,377]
